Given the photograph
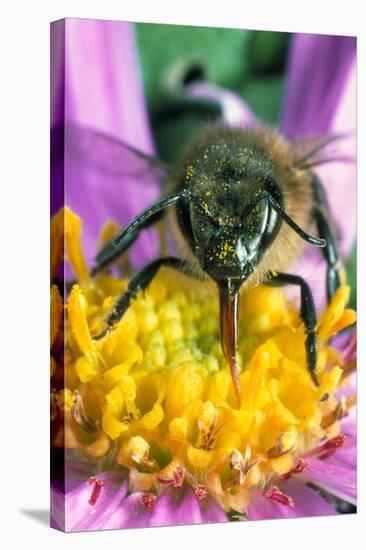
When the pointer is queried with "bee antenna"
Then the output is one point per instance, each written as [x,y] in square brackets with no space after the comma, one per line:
[321,243]
[315,241]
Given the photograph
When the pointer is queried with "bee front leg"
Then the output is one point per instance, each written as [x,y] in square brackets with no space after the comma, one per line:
[110,252]
[322,218]
[140,282]
[308,316]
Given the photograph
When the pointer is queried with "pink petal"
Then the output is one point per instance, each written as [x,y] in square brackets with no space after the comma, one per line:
[321,100]
[177,507]
[57,505]
[339,480]
[307,503]
[212,512]
[348,388]
[130,514]
[318,72]
[75,474]
[102,90]
[81,515]
[347,455]
[349,423]
[346,343]
[172,507]
[235,112]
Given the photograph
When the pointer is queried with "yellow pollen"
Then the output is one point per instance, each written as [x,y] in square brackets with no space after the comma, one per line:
[190,172]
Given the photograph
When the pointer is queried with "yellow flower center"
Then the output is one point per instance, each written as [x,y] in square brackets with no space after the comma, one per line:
[155,394]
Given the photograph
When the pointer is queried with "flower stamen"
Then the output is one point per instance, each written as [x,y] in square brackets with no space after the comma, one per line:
[208,433]
[339,412]
[96,491]
[328,448]
[148,501]
[278,496]
[239,467]
[299,468]
[129,417]
[78,414]
[136,451]
[176,480]
[285,443]
[200,491]
[349,369]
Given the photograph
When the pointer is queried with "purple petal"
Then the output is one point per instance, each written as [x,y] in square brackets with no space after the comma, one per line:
[57,505]
[262,508]
[307,500]
[346,456]
[346,342]
[75,475]
[177,507]
[348,387]
[81,514]
[57,51]
[235,112]
[321,100]
[113,510]
[307,503]
[129,514]
[318,71]
[57,72]
[173,507]
[349,424]
[212,512]
[103,91]
[339,480]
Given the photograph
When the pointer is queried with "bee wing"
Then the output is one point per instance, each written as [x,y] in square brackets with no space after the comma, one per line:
[109,155]
[314,151]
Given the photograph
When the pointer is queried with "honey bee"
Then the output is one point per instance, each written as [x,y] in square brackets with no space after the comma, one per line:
[243,203]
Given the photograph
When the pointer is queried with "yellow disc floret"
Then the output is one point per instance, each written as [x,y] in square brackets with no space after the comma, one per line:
[155,394]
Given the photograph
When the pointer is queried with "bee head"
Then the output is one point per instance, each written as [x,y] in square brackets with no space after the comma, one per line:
[230,246]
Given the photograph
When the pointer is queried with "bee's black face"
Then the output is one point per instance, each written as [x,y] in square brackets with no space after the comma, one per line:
[222,178]
[231,251]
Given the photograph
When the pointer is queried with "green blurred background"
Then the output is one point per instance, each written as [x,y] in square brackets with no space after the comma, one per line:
[251,63]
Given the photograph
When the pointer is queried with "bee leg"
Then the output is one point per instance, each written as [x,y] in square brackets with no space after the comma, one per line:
[330,253]
[321,217]
[129,234]
[139,282]
[110,252]
[308,316]
[123,241]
